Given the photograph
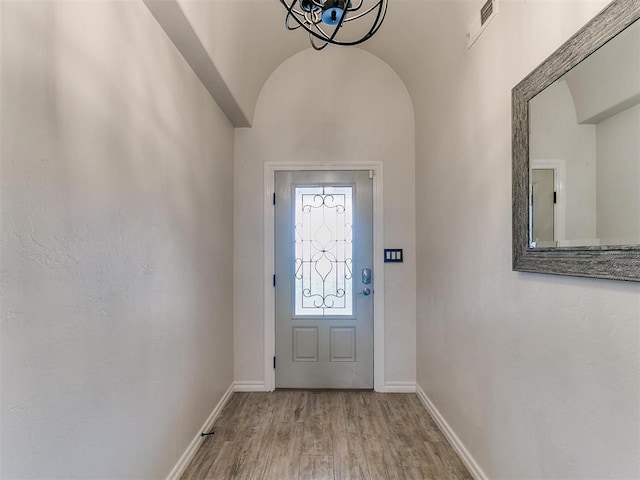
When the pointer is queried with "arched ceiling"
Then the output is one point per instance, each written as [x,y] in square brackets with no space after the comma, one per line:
[245,41]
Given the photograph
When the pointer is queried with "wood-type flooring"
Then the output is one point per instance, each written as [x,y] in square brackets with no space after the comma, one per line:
[325,435]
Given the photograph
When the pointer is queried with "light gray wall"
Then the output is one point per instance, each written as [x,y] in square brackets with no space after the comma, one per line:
[337,106]
[618,145]
[116,244]
[538,375]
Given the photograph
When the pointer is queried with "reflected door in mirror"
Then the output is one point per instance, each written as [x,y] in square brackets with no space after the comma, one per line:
[542,207]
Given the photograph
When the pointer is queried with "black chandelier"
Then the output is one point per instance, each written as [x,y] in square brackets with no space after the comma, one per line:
[324,19]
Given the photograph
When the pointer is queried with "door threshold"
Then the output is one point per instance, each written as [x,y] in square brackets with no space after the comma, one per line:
[318,390]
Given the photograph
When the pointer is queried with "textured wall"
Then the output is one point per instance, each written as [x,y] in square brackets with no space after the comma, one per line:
[538,375]
[362,113]
[116,244]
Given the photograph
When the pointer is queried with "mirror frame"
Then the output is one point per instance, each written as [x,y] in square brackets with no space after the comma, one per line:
[612,262]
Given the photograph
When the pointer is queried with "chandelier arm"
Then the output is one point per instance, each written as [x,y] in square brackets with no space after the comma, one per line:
[289,7]
[353,9]
[291,13]
[326,38]
[325,34]
[317,17]
[362,14]
[304,14]
[335,30]
[379,18]
[310,20]
[316,47]
[377,23]
[329,38]
[374,28]
[320,37]
[286,23]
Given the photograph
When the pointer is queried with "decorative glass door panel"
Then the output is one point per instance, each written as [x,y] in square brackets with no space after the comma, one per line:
[323,251]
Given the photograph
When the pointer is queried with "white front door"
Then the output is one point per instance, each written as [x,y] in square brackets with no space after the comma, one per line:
[324,279]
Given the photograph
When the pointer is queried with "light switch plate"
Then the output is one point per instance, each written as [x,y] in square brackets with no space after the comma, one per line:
[393,255]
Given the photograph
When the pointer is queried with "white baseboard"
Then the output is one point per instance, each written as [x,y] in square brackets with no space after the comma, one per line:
[400,387]
[451,436]
[186,457]
[250,386]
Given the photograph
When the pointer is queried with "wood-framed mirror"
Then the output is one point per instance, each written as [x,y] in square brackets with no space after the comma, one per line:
[576,153]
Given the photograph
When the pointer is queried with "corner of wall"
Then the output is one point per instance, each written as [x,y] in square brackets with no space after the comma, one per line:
[453,439]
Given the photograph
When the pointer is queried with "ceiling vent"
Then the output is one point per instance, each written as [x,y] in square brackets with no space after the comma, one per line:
[481,21]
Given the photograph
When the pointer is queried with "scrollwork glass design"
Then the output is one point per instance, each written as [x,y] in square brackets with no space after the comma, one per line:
[323,251]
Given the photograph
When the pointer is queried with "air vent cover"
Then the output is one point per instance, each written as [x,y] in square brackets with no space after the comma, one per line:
[487,13]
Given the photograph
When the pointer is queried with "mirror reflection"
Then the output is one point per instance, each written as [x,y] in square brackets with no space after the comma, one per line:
[584,151]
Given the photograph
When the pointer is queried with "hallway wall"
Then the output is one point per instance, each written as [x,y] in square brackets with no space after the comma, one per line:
[538,375]
[116,234]
[335,106]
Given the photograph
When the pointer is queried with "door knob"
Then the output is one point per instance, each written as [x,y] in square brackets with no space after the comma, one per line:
[365,291]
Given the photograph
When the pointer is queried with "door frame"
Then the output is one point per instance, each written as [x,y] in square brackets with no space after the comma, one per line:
[559,183]
[270,169]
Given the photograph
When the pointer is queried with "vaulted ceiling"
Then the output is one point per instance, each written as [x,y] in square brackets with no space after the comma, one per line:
[235,45]
[245,41]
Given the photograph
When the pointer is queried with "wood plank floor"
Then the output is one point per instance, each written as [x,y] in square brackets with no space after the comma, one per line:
[325,435]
